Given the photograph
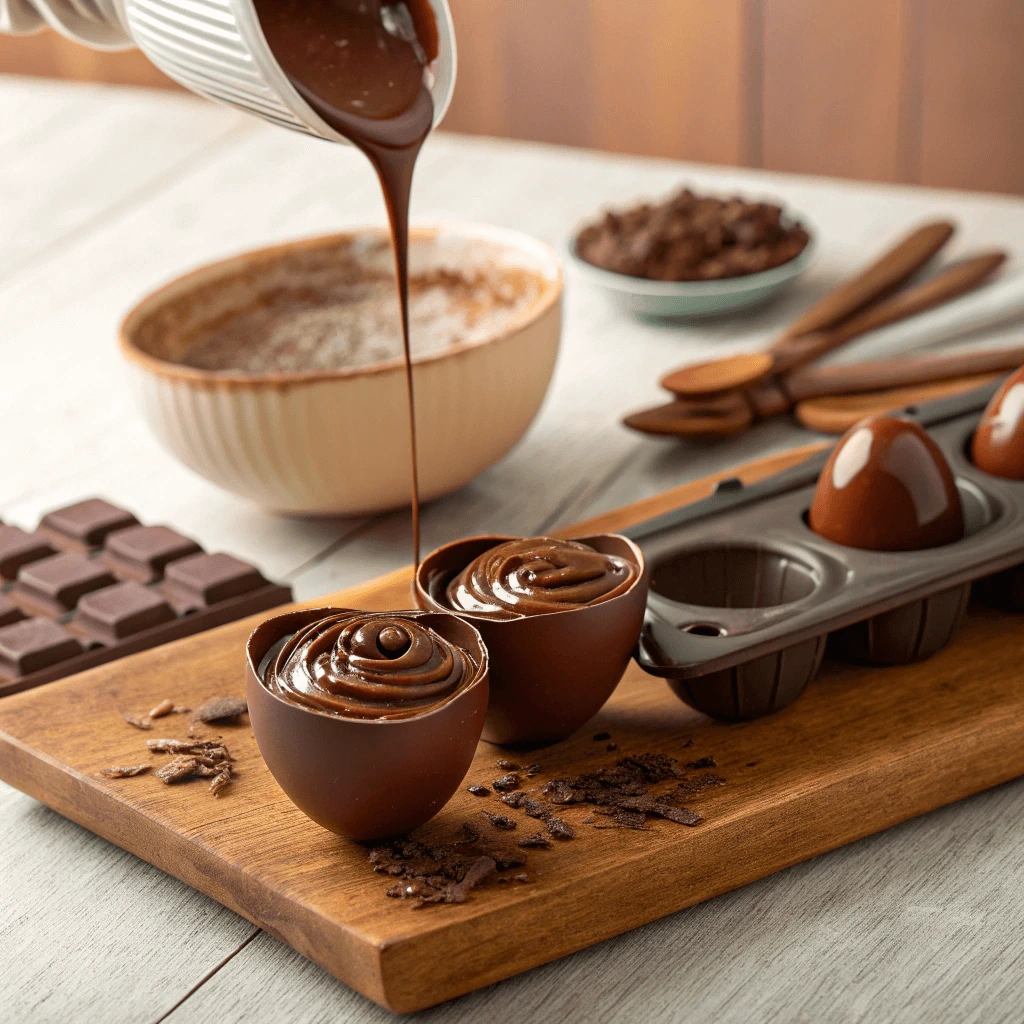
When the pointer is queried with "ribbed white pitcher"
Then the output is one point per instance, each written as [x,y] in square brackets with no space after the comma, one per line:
[213,47]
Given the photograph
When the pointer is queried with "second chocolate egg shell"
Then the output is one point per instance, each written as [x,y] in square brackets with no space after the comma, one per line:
[887,487]
[997,447]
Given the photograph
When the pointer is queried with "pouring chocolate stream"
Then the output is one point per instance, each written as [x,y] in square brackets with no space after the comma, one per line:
[362,65]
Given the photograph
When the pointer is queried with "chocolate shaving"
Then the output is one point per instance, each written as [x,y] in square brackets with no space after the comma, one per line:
[560,828]
[221,780]
[506,766]
[165,707]
[533,808]
[478,790]
[691,786]
[139,721]
[532,769]
[126,771]
[220,709]
[502,821]
[538,839]
[704,762]
[209,748]
[506,783]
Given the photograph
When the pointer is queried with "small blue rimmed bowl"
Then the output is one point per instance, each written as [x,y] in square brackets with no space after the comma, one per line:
[684,300]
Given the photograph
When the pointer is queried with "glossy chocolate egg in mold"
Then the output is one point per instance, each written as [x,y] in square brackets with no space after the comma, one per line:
[997,448]
[742,662]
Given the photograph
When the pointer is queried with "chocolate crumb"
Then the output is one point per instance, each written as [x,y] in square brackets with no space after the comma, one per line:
[470,832]
[221,780]
[600,737]
[139,721]
[752,764]
[533,769]
[478,790]
[560,828]
[533,808]
[688,743]
[506,783]
[589,819]
[126,771]
[704,762]
[537,839]
[165,707]
[611,747]
[506,766]
[689,787]
[502,821]
[220,709]
[178,769]
[521,878]
[683,815]
[213,749]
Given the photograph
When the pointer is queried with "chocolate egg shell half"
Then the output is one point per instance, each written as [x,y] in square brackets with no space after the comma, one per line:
[549,673]
[997,447]
[363,778]
[887,487]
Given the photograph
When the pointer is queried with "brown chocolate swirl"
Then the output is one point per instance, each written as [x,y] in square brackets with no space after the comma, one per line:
[537,575]
[369,665]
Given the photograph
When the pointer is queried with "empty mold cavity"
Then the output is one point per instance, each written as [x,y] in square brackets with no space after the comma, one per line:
[733,577]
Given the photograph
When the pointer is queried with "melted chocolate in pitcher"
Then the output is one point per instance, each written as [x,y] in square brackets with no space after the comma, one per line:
[362,66]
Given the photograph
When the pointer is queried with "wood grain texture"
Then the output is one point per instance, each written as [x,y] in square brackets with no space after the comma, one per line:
[972,118]
[799,783]
[48,53]
[922,922]
[832,85]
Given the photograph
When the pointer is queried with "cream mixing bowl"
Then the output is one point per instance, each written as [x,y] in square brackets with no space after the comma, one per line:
[278,374]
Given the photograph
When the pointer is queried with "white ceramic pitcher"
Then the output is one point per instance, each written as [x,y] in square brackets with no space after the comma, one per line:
[213,47]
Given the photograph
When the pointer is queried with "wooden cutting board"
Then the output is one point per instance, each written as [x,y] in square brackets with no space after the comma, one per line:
[862,750]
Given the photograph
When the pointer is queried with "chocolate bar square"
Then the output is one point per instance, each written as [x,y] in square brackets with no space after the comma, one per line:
[142,552]
[114,613]
[9,611]
[33,645]
[86,524]
[54,585]
[203,580]
[18,548]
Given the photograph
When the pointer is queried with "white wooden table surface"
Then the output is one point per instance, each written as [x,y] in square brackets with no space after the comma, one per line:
[104,194]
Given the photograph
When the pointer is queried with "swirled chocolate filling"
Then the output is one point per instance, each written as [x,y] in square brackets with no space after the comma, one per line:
[370,665]
[537,575]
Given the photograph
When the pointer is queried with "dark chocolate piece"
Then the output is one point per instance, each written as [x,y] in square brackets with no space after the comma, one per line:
[199,581]
[125,771]
[506,783]
[34,644]
[142,553]
[220,709]
[478,790]
[502,821]
[9,611]
[18,548]
[54,585]
[703,762]
[538,839]
[506,765]
[533,769]
[560,828]
[113,613]
[85,524]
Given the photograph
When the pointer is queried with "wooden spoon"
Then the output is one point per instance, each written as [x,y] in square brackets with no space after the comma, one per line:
[837,414]
[881,277]
[826,392]
[791,353]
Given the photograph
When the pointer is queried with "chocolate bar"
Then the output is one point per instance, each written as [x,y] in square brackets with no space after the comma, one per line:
[93,584]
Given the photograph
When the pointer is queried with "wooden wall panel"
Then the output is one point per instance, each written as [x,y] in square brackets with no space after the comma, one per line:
[972,93]
[833,80]
[51,55]
[671,78]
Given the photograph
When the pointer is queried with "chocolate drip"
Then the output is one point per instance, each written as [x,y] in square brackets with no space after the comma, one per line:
[369,665]
[537,575]
[362,65]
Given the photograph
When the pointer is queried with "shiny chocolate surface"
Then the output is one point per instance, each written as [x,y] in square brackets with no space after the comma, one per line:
[887,487]
[534,576]
[368,665]
[998,443]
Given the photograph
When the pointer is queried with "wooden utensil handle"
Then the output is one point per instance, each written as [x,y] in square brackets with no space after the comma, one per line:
[857,378]
[881,277]
[837,414]
[954,281]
